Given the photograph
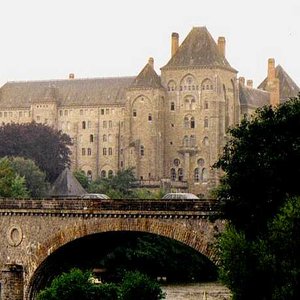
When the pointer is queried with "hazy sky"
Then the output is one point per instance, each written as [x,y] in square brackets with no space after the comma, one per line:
[48,39]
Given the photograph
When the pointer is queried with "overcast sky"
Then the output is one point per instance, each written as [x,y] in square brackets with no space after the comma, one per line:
[48,39]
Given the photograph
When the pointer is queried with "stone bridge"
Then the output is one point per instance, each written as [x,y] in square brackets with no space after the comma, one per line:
[31,230]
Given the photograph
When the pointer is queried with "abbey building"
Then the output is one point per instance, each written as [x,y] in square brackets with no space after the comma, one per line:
[170,127]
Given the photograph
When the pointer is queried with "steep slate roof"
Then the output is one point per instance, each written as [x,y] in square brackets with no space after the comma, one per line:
[253,97]
[147,78]
[66,185]
[71,92]
[198,50]
[287,87]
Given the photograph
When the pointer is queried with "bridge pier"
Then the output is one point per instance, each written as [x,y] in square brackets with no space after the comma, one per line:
[12,282]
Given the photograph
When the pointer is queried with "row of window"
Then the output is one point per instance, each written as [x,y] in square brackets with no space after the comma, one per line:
[105,124]
[188,84]
[200,175]
[134,114]
[67,112]
[103,174]
[189,105]
[20,114]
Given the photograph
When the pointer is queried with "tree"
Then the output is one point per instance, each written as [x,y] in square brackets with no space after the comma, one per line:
[77,284]
[82,178]
[35,179]
[18,188]
[7,176]
[47,147]
[262,166]
[136,285]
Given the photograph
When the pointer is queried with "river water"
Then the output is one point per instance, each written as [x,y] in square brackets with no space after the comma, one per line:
[196,291]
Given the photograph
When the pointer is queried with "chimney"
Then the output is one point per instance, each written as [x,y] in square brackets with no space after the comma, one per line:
[221,45]
[250,83]
[273,83]
[242,81]
[271,69]
[71,76]
[174,43]
[151,62]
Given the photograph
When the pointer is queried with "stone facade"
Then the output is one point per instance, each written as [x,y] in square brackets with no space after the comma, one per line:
[171,128]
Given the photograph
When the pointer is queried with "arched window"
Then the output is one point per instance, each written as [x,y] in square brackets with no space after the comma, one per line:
[197,175]
[142,150]
[89,175]
[192,122]
[104,138]
[205,122]
[91,138]
[205,141]
[110,174]
[89,151]
[204,175]
[186,141]
[83,125]
[180,174]
[193,140]
[186,122]
[103,173]
[193,104]
[207,85]
[206,105]
[187,104]
[173,174]
[176,162]
[171,86]
[200,162]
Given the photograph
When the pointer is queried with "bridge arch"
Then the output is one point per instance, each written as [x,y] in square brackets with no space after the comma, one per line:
[199,237]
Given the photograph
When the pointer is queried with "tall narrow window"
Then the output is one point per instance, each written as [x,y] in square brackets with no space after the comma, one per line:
[104,151]
[134,113]
[83,151]
[142,150]
[89,151]
[104,124]
[89,175]
[83,125]
[109,124]
[109,151]
[197,175]
[149,117]
[89,124]
[180,174]
[91,138]
[186,122]
[104,138]
[173,174]
[206,122]
[192,122]
[172,106]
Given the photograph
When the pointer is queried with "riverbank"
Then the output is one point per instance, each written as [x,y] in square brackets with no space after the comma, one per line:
[196,291]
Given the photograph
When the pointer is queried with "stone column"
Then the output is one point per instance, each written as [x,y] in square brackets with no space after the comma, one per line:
[12,282]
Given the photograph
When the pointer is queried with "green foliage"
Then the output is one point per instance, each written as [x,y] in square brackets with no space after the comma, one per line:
[77,285]
[116,187]
[35,179]
[262,166]
[269,264]
[7,176]
[82,178]
[18,187]
[136,285]
[47,147]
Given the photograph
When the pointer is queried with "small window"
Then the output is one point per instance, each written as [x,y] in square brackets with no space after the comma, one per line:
[192,122]
[200,162]
[107,111]
[206,122]
[83,125]
[104,151]
[83,151]
[89,175]
[89,124]
[109,124]
[121,164]
[104,124]
[104,138]
[109,151]
[149,117]
[91,138]
[89,151]
[180,174]
[197,175]
[173,174]
[66,112]
[205,105]
[172,106]
[102,111]
[60,112]
[103,173]
[142,150]
[134,113]
[81,112]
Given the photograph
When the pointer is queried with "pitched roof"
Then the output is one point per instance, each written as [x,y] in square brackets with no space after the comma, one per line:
[147,78]
[71,92]
[287,87]
[253,97]
[198,50]
[66,185]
